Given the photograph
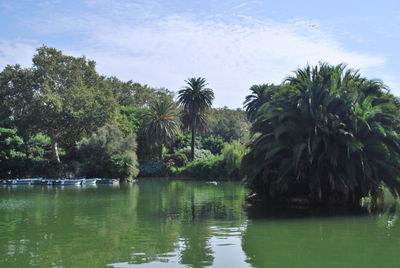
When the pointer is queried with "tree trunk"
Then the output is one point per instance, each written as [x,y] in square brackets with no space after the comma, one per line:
[54,148]
[193,139]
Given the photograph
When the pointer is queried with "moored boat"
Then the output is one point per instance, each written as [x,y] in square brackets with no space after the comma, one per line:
[22,181]
[72,182]
[89,181]
[107,181]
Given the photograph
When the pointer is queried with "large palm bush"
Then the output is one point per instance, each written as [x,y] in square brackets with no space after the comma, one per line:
[329,136]
[260,94]
[196,99]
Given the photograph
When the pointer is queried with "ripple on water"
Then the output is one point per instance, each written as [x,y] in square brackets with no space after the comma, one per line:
[14,204]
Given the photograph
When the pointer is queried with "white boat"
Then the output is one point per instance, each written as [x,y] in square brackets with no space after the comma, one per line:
[89,181]
[108,181]
[72,182]
[22,181]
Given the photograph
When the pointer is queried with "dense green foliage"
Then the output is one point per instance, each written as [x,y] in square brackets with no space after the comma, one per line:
[228,124]
[232,155]
[211,168]
[108,153]
[11,152]
[328,136]
[260,94]
[161,124]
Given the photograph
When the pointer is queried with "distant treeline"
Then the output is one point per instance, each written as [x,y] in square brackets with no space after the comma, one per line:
[60,117]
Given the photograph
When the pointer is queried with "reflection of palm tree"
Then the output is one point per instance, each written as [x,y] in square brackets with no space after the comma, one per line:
[161,124]
[195,99]
[197,252]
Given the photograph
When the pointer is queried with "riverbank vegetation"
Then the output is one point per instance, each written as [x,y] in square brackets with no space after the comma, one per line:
[61,118]
[326,135]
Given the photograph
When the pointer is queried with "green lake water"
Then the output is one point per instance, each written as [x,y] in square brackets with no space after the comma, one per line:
[173,223]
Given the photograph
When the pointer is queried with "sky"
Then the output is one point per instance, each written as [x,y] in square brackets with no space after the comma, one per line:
[234,44]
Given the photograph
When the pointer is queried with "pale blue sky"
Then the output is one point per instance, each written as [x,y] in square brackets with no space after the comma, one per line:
[233,44]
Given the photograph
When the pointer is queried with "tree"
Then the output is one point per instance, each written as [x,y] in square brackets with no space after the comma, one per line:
[108,153]
[195,99]
[12,155]
[134,94]
[17,90]
[260,95]
[228,123]
[71,100]
[161,124]
[330,137]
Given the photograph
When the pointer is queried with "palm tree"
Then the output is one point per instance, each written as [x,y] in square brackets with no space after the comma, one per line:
[195,99]
[329,136]
[260,94]
[161,124]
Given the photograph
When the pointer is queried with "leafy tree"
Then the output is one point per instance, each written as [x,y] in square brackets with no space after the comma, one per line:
[71,99]
[137,95]
[330,137]
[161,124]
[134,116]
[108,153]
[196,99]
[17,90]
[228,123]
[12,155]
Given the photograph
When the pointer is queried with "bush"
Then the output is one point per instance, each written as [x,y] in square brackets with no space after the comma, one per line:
[184,141]
[212,167]
[198,153]
[232,155]
[213,143]
[152,168]
[176,159]
[108,153]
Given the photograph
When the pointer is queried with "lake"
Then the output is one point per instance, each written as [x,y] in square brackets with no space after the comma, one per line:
[175,223]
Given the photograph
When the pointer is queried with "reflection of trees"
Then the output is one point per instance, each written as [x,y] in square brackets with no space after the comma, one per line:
[347,241]
[92,227]
[67,227]
[197,250]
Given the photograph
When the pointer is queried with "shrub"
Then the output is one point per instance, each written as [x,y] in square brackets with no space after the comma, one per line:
[212,167]
[198,153]
[108,153]
[176,159]
[152,168]
[232,154]
[183,141]
[213,143]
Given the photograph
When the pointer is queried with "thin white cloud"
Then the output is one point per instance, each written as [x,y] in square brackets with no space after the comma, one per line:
[16,53]
[230,55]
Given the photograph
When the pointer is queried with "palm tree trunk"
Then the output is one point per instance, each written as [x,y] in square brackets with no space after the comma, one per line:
[193,139]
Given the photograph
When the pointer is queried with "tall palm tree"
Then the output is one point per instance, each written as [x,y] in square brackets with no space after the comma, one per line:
[195,98]
[162,124]
[329,136]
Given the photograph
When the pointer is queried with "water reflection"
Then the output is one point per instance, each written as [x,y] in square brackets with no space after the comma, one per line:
[160,223]
[330,239]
